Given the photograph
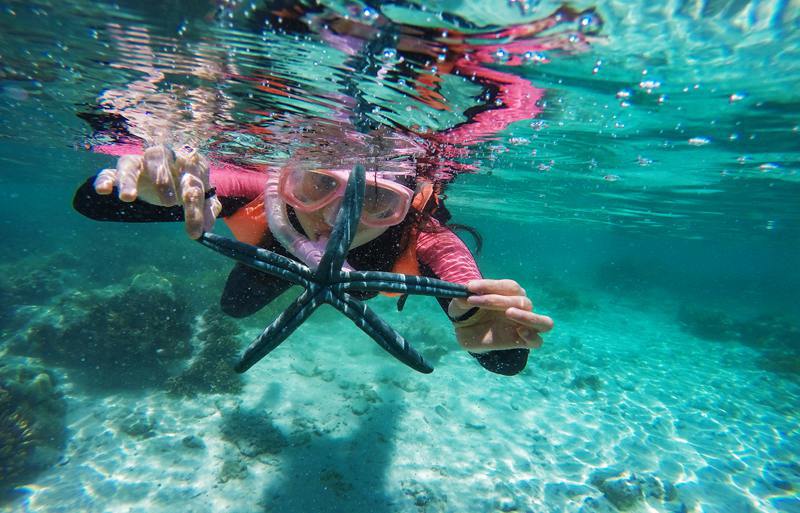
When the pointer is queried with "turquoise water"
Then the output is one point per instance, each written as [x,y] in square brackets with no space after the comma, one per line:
[647,201]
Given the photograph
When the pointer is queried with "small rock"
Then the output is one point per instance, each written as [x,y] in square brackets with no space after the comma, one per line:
[600,475]
[359,406]
[232,469]
[622,493]
[138,425]
[653,487]
[193,442]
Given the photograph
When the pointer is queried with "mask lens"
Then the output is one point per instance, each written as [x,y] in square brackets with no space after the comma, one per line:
[382,204]
[309,187]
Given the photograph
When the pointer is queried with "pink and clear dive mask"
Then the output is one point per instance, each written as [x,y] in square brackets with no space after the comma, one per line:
[386,202]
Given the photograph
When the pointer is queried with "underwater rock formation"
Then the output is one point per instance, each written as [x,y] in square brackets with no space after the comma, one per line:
[211,371]
[32,421]
[708,324]
[34,283]
[119,336]
[777,337]
[627,491]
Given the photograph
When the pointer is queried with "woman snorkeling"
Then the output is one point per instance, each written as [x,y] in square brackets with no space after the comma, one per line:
[289,208]
[291,212]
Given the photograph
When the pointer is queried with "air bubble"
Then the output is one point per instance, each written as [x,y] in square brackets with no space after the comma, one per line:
[535,57]
[699,141]
[736,97]
[369,13]
[389,55]
[589,23]
[649,85]
[501,55]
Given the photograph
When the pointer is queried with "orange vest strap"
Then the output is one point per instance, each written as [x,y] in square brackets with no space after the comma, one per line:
[407,262]
[249,223]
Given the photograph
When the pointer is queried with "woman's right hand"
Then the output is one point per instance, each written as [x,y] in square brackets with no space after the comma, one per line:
[166,178]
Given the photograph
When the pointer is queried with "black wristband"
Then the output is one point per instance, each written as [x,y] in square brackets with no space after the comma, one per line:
[466,315]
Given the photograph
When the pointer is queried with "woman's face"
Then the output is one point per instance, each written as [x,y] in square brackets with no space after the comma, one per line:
[318,223]
[316,196]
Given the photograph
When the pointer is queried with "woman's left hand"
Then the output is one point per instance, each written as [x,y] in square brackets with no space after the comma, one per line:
[505,319]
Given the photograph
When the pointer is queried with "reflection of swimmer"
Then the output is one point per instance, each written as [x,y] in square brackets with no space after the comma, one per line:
[291,212]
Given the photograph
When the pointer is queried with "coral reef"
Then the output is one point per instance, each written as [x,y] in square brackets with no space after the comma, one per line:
[32,421]
[35,282]
[776,337]
[211,371]
[708,323]
[119,336]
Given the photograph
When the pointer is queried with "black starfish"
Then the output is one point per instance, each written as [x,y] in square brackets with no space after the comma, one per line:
[330,284]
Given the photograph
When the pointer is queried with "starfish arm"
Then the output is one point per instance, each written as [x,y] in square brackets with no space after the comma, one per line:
[383,334]
[258,258]
[345,228]
[376,281]
[279,330]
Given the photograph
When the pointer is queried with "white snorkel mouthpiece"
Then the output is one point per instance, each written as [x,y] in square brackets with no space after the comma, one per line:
[309,252]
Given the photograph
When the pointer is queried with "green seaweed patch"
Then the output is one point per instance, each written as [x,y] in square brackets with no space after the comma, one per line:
[211,371]
[32,422]
[117,336]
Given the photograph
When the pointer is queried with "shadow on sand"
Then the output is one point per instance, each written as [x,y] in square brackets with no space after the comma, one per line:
[347,475]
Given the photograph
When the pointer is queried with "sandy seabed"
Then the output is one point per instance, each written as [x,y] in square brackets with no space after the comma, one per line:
[619,411]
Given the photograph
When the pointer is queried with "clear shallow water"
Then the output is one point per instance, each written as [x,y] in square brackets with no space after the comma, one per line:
[653,215]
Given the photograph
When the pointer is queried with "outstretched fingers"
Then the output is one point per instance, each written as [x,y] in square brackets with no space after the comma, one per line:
[530,320]
[161,186]
[502,287]
[199,211]
[105,181]
[500,302]
[192,196]
[129,167]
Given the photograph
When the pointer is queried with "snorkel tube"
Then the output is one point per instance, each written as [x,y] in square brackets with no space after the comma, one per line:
[309,252]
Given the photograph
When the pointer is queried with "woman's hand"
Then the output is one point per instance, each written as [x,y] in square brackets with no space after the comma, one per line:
[505,319]
[166,178]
